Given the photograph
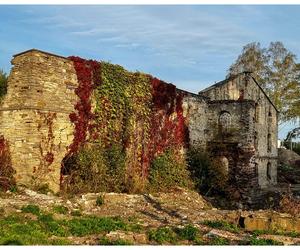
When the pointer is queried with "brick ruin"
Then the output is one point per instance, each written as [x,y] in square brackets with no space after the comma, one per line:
[233,120]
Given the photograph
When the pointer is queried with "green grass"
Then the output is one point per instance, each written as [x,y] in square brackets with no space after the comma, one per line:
[60,209]
[189,232]
[272,232]
[100,200]
[92,225]
[264,242]
[45,230]
[224,225]
[76,213]
[106,241]
[33,209]
[219,241]
[162,235]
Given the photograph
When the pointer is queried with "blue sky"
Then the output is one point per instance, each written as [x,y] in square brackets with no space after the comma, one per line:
[190,46]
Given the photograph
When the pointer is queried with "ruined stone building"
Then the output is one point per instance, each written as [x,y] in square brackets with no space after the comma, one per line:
[47,108]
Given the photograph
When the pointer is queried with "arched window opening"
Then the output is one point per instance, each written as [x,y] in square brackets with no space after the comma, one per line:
[241,97]
[257,112]
[269,142]
[269,171]
[225,120]
[255,140]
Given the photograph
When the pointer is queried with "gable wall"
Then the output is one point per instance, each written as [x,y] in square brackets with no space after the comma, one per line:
[243,87]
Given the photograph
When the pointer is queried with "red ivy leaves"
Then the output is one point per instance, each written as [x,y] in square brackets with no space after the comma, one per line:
[168,129]
[88,73]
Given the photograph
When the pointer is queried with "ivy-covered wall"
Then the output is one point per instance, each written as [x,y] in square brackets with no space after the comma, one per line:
[136,112]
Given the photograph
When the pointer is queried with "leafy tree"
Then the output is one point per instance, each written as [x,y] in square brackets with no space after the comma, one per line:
[3,83]
[276,70]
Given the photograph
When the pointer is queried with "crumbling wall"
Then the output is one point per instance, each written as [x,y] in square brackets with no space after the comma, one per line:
[243,87]
[34,116]
[230,128]
[195,112]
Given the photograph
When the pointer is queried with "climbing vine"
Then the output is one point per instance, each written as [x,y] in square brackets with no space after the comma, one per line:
[88,72]
[131,111]
[6,171]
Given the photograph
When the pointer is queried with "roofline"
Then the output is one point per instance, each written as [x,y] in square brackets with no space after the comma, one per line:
[265,93]
[231,77]
[192,94]
[41,51]
[235,76]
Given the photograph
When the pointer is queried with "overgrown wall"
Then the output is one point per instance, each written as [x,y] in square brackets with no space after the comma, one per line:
[55,105]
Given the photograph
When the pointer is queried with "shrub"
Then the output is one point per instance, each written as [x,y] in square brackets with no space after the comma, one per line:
[60,209]
[93,225]
[106,241]
[168,171]
[76,213]
[94,169]
[189,232]
[33,209]
[6,171]
[261,242]
[199,165]
[100,200]
[219,241]
[162,235]
[43,188]
[3,83]
[208,173]
[222,225]
[289,204]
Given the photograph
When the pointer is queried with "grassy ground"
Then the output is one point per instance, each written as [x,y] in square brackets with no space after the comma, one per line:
[32,226]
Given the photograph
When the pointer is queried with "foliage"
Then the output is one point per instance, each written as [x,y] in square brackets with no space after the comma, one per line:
[7,180]
[261,242]
[189,232]
[276,70]
[94,169]
[272,232]
[92,225]
[100,200]
[207,173]
[3,83]
[219,241]
[60,209]
[168,171]
[43,189]
[119,242]
[162,235]
[76,212]
[33,209]
[288,142]
[224,225]
[289,204]
[88,72]
[123,110]
[21,230]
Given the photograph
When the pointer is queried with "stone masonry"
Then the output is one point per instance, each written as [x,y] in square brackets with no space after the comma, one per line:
[232,120]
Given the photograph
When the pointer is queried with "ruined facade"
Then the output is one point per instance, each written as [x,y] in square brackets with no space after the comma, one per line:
[233,120]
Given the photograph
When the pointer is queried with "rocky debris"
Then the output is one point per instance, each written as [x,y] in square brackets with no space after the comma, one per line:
[224,234]
[137,238]
[269,220]
[287,157]
[280,238]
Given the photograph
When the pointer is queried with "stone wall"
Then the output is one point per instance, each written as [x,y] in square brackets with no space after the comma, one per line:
[233,119]
[34,116]
[195,112]
[264,134]
[232,138]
